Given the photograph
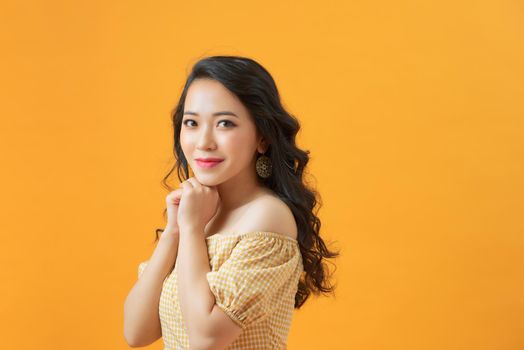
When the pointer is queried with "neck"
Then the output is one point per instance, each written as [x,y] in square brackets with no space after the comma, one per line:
[239,190]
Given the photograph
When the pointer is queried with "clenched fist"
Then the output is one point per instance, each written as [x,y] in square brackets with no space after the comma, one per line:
[198,205]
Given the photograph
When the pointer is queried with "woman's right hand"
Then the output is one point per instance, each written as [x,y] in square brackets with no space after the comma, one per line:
[172,203]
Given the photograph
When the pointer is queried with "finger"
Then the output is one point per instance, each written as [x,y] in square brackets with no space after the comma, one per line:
[186,184]
[183,188]
[176,194]
[194,182]
[173,193]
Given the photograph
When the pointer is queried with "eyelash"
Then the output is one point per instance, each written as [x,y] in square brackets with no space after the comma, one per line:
[223,120]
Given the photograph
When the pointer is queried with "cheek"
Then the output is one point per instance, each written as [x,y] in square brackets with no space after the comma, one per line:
[238,148]
[233,143]
[185,144]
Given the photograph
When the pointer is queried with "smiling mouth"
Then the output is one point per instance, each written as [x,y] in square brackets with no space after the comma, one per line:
[207,164]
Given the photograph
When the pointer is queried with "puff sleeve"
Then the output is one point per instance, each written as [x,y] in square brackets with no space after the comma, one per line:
[248,286]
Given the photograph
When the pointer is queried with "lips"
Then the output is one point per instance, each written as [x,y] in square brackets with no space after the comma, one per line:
[208,162]
[211,159]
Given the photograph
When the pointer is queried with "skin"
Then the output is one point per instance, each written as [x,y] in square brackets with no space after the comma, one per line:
[214,193]
[224,199]
[204,135]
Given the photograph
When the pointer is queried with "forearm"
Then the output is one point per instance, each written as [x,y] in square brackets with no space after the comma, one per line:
[195,296]
[141,319]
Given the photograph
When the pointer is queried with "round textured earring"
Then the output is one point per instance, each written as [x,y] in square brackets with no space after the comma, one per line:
[263,165]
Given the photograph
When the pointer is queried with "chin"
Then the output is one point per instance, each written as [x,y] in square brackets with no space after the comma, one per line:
[208,180]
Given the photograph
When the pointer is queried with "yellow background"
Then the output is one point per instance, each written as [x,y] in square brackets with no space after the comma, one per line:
[412,110]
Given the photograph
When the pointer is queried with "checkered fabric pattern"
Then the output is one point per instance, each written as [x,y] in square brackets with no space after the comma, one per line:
[254,278]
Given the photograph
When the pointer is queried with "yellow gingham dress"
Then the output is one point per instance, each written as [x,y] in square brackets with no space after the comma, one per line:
[254,278]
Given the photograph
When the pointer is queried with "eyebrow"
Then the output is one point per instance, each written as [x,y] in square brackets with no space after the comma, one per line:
[216,114]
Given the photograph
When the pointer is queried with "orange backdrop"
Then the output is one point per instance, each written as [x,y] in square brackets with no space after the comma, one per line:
[412,111]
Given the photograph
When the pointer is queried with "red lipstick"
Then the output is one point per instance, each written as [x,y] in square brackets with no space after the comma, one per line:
[208,162]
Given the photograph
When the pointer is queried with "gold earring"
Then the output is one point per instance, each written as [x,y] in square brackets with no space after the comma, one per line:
[263,165]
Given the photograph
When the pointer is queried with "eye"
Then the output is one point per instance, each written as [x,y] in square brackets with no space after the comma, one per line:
[187,120]
[223,120]
[227,121]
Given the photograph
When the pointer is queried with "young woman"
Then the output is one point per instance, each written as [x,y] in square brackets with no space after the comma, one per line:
[241,248]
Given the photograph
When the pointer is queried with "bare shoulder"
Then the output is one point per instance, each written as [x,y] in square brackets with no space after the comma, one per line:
[270,213]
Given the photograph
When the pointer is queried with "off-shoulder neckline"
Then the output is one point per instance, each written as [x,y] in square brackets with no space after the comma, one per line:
[254,233]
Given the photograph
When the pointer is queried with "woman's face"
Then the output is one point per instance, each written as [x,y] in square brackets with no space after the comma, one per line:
[216,124]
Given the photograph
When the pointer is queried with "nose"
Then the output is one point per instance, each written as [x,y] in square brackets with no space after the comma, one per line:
[206,139]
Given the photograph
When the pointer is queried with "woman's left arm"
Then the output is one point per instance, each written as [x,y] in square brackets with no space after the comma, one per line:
[196,298]
[207,325]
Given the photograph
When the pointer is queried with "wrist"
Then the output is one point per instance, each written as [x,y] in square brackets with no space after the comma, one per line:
[192,229]
[170,232]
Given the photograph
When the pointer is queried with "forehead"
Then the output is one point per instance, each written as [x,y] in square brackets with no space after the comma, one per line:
[207,95]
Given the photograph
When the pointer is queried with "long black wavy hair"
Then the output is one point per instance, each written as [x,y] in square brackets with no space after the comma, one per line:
[257,90]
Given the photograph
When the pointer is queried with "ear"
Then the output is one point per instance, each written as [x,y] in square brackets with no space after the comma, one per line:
[262,145]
